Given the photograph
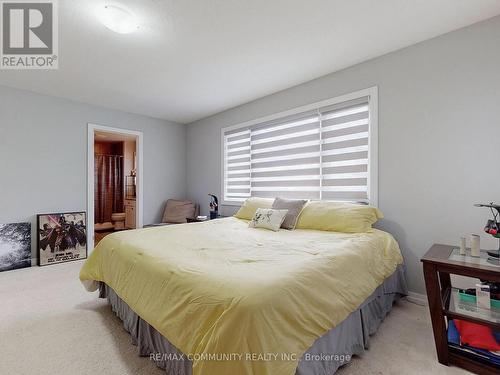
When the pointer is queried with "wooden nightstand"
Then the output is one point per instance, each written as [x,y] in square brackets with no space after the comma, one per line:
[439,262]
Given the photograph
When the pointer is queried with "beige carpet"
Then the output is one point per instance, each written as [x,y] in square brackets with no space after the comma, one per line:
[49,325]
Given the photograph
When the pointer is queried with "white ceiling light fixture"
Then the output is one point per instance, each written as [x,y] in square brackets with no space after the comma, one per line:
[117,19]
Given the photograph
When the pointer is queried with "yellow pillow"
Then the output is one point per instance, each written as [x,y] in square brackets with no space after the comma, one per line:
[338,217]
[247,211]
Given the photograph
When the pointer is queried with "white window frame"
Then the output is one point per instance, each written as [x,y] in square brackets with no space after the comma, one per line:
[371,93]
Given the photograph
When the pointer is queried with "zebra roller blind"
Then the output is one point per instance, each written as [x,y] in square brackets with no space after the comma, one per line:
[316,154]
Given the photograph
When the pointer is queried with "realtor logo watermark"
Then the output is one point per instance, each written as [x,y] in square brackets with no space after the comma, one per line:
[29,37]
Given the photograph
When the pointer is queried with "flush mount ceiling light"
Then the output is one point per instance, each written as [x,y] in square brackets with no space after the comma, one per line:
[118,19]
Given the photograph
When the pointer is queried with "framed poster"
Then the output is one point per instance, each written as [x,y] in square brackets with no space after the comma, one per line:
[61,237]
[15,246]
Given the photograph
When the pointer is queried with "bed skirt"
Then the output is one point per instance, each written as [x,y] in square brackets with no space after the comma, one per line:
[331,351]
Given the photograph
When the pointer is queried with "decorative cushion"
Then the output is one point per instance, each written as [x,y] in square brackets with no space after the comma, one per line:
[177,211]
[247,210]
[294,207]
[268,218]
[338,217]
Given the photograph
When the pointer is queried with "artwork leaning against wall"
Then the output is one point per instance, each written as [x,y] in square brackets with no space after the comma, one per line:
[15,246]
[61,237]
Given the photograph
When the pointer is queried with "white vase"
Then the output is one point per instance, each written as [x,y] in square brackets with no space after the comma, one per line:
[474,245]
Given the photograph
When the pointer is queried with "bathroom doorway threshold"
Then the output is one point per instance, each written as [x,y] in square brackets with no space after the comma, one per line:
[139,209]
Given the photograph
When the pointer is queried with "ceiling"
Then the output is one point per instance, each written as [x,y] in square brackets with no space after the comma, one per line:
[193,58]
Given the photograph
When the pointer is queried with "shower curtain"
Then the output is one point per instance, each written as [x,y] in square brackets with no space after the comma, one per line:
[108,187]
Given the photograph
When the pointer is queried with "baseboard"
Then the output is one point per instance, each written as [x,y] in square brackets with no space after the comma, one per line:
[417,298]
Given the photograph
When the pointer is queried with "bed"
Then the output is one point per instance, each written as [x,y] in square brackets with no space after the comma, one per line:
[218,297]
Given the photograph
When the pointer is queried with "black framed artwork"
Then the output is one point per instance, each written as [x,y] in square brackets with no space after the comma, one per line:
[15,246]
[61,237]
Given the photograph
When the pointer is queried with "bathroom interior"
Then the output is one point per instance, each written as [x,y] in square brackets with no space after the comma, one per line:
[115,171]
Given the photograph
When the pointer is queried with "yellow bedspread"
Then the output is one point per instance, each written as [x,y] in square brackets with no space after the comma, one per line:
[238,300]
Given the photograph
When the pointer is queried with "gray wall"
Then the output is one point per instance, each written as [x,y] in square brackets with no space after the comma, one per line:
[43,156]
[439,136]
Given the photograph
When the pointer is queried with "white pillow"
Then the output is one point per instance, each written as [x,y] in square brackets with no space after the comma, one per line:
[268,218]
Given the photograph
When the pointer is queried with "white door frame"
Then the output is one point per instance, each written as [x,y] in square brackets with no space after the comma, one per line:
[92,128]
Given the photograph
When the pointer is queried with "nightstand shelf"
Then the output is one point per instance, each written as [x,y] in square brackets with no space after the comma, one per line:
[454,308]
[471,362]
[444,303]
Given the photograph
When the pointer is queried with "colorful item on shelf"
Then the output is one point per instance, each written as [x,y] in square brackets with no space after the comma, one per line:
[476,335]
[469,296]
[453,335]
[496,335]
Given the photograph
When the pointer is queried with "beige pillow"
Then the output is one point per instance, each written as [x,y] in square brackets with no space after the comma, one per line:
[268,218]
[177,211]
[338,217]
[247,211]
[294,207]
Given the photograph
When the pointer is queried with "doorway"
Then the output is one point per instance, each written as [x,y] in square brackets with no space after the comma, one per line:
[114,181]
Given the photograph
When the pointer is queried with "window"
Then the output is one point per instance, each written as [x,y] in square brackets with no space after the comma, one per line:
[322,151]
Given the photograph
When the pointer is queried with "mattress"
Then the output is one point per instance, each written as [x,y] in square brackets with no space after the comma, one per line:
[219,288]
[328,353]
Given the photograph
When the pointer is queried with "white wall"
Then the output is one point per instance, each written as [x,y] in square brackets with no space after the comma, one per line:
[439,136]
[43,156]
